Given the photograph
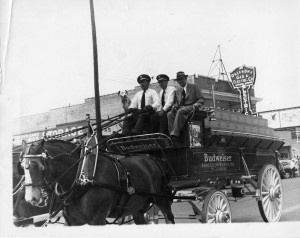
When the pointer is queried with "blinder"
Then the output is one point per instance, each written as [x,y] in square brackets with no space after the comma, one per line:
[28,158]
[20,168]
[27,162]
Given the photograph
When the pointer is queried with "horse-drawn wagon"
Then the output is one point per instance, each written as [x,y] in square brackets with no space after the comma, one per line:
[214,161]
[211,159]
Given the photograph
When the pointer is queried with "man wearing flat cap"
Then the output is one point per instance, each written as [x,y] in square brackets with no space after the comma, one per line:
[166,98]
[143,105]
[187,98]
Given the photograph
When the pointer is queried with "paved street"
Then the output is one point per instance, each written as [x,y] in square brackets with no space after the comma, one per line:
[246,209]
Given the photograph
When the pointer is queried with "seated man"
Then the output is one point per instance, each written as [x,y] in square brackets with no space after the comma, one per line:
[166,97]
[187,98]
[143,106]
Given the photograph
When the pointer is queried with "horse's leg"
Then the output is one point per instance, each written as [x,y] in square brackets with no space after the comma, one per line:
[72,217]
[139,218]
[165,207]
[67,220]
[96,205]
[100,219]
[16,208]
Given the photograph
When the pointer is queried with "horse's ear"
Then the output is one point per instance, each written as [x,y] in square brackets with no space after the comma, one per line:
[119,92]
[24,146]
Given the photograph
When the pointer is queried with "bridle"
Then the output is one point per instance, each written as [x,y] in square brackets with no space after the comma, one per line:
[40,159]
[43,159]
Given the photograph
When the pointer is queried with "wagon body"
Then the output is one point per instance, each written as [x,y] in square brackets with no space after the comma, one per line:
[205,153]
[236,151]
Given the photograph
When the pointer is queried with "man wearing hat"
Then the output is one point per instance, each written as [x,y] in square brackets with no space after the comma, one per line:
[143,106]
[166,98]
[187,98]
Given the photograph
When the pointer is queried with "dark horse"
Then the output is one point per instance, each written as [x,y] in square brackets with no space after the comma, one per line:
[21,208]
[102,199]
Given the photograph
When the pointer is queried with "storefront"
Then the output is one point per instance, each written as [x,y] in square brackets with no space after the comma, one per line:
[286,124]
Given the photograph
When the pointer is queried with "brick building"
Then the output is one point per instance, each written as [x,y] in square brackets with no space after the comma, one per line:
[72,117]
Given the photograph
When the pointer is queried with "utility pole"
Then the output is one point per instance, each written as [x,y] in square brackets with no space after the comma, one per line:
[96,74]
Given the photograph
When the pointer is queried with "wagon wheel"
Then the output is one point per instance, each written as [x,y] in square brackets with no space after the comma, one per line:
[270,196]
[216,208]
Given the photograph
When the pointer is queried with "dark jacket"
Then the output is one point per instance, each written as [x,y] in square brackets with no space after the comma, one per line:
[193,95]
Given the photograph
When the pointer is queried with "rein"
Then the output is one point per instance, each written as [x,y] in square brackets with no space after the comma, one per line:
[45,156]
[109,122]
[19,186]
[55,181]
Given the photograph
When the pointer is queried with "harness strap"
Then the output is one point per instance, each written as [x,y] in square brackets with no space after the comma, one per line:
[70,191]
[80,162]
[117,199]
[142,192]
[123,199]
[51,212]
[118,161]
[19,185]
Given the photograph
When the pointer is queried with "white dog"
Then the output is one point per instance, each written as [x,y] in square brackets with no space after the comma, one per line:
[124,99]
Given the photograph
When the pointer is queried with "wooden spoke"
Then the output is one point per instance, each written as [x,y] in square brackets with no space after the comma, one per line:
[216,208]
[266,198]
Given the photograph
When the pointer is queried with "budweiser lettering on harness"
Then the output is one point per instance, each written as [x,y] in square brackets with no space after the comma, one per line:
[139,147]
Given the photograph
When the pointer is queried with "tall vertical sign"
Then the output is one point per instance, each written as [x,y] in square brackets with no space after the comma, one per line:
[243,78]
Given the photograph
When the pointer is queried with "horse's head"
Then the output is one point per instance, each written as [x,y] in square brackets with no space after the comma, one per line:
[33,162]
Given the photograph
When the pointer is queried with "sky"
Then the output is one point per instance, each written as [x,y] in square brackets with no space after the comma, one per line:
[49,58]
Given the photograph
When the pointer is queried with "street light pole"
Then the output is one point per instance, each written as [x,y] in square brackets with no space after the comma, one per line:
[96,75]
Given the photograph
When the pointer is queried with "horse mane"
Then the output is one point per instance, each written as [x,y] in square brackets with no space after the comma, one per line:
[58,141]
[58,146]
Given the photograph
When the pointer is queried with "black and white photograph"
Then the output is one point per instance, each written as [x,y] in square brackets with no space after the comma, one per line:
[159,118]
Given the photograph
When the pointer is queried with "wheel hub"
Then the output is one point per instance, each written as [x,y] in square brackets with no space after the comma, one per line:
[274,193]
[222,217]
